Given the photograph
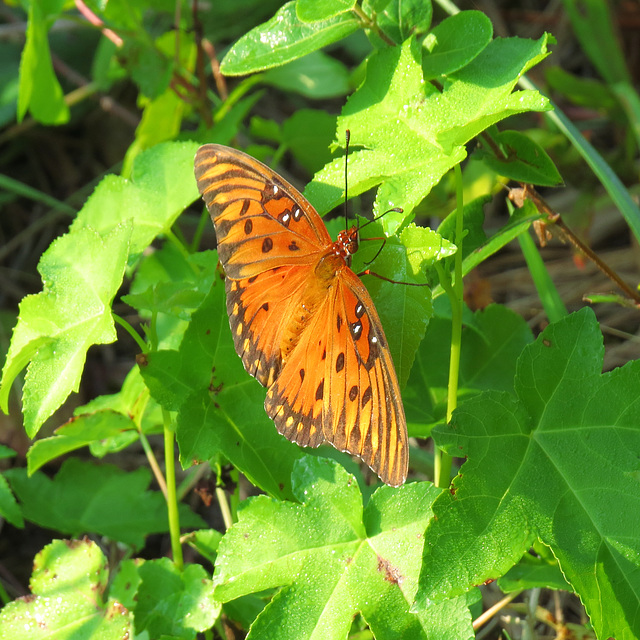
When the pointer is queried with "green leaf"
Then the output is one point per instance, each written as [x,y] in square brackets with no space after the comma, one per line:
[68,600]
[78,432]
[39,90]
[400,19]
[220,407]
[158,190]
[308,133]
[81,272]
[124,586]
[406,134]
[282,39]
[473,224]
[134,403]
[314,76]
[492,341]
[9,508]
[455,42]
[526,161]
[206,543]
[534,571]
[566,451]
[100,499]
[312,10]
[173,602]
[333,559]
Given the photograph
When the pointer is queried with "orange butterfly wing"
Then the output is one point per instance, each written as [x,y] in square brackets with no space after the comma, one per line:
[302,321]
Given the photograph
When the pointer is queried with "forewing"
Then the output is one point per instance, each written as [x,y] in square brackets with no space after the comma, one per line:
[261,221]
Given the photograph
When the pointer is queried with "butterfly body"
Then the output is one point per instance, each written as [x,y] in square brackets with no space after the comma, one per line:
[302,321]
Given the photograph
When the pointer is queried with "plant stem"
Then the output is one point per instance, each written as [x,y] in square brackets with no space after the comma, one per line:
[153,462]
[131,331]
[172,502]
[455,292]
[224,507]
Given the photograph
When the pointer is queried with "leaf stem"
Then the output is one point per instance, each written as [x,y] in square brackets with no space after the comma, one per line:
[370,23]
[153,462]
[224,507]
[172,502]
[131,331]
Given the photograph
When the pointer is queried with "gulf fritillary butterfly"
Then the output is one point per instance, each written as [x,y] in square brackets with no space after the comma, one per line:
[302,321]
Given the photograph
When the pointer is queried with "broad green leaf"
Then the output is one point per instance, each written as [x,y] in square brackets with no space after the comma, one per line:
[78,432]
[206,543]
[160,187]
[455,42]
[284,38]
[39,90]
[492,341]
[6,452]
[312,10]
[526,161]
[134,403]
[220,407]
[400,19]
[174,603]
[333,559]
[67,598]
[315,76]
[557,461]
[406,134]
[81,272]
[124,586]
[99,499]
[308,134]
[540,570]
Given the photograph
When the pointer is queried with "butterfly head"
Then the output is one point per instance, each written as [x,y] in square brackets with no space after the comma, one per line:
[347,243]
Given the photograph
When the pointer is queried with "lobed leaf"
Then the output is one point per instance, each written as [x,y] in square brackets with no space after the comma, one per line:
[559,462]
[333,559]
[81,272]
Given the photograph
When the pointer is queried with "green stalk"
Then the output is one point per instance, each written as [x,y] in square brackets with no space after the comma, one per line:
[172,501]
[455,292]
[131,331]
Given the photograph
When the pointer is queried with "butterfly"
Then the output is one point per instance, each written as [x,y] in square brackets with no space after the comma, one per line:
[302,321]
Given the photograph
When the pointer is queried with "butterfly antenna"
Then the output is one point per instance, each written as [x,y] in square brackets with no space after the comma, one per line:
[347,136]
